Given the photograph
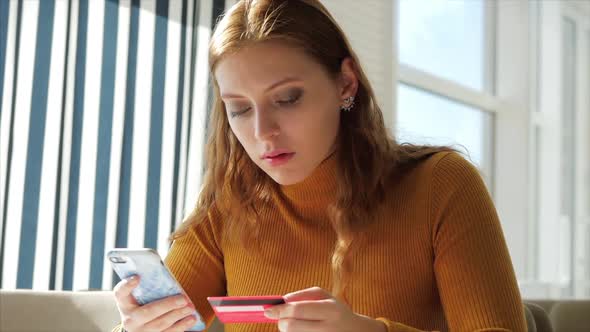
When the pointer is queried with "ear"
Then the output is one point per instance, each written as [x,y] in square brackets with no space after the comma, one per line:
[348,78]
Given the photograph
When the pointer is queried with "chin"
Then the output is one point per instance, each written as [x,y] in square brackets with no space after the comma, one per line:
[286,179]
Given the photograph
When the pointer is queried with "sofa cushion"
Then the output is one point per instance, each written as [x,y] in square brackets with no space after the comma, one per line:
[36,311]
[571,316]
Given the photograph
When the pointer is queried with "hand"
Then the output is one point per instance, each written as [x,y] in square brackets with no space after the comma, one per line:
[314,309]
[171,314]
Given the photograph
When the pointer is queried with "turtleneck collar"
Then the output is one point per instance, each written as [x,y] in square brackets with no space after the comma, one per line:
[320,186]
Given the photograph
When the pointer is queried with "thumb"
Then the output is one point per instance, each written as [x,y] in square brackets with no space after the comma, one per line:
[308,294]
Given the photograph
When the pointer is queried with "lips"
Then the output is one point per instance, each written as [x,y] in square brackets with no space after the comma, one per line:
[276,153]
[278,157]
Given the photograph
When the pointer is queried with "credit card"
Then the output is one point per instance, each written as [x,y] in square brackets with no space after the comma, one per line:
[244,309]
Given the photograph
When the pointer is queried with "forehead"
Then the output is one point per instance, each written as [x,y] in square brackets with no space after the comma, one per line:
[262,64]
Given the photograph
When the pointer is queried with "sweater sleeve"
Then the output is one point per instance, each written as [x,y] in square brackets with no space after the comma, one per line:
[196,261]
[396,327]
[473,269]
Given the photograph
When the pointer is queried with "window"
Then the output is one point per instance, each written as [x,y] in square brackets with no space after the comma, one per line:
[568,147]
[443,81]
[445,38]
[561,121]
[426,118]
[509,81]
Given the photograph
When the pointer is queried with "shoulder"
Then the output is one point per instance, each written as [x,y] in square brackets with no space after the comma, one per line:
[452,171]
[438,164]
[457,188]
[441,174]
[202,221]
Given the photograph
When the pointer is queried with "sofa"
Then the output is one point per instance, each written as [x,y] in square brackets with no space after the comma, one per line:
[560,315]
[64,311]
[95,311]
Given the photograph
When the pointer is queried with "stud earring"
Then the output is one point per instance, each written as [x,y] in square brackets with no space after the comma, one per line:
[348,104]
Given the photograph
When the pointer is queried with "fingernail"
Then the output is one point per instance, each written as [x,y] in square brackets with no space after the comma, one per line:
[181,301]
[132,279]
[269,313]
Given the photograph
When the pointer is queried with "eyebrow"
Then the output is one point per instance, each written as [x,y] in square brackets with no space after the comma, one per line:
[272,86]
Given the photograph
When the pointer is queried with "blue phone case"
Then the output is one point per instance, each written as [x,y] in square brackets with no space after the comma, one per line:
[156,281]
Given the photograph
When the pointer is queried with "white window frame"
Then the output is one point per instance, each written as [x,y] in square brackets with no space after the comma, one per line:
[550,275]
[580,257]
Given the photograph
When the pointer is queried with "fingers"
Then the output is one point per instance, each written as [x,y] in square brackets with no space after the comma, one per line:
[169,319]
[173,313]
[153,310]
[288,325]
[313,293]
[125,301]
[182,325]
[305,310]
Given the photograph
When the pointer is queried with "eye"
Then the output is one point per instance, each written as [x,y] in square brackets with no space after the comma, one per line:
[290,101]
[238,113]
[291,98]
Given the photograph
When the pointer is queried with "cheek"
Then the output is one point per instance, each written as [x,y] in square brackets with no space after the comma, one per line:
[243,132]
[317,123]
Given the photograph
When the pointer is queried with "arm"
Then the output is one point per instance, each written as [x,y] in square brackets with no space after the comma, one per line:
[474,272]
[196,260]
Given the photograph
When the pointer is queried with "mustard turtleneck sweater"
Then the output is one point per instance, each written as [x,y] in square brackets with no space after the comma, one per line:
[435,257]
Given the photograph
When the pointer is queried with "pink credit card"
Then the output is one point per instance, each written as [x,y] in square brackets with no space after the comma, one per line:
[244,309]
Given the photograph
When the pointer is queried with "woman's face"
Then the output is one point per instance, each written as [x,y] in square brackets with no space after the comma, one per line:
[283,107]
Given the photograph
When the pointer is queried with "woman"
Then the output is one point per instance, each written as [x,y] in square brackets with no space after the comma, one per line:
[306,195]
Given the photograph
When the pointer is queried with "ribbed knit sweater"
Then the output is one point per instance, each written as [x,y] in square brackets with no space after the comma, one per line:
[434,258]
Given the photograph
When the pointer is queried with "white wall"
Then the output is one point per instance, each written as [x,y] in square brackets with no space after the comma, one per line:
[369,25]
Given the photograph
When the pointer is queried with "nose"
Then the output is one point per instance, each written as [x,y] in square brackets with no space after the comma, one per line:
[266,126]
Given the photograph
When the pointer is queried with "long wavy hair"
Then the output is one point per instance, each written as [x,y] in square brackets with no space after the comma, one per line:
[234,188]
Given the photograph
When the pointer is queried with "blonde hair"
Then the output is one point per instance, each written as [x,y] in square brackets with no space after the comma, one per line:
[234,188]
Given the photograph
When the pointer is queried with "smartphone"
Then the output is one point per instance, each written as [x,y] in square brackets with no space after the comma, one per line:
[244,309]
[155,280]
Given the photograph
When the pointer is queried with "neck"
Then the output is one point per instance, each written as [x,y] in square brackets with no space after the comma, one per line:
[319,187]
